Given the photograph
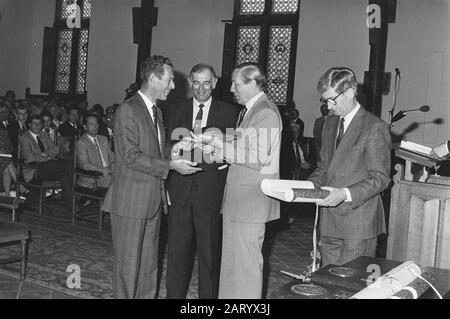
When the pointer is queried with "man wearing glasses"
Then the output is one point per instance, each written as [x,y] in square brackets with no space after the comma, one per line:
[354,168]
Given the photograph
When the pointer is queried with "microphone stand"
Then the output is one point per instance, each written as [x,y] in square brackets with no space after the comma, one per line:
[398,79]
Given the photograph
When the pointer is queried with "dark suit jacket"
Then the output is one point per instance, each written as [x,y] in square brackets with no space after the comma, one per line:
[66,129]
[141,168]
[14,133]
[210,181]
[317,133]
[361,163]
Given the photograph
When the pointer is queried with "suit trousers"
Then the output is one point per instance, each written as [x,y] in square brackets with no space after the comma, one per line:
[339,251]
[136,244]
[194,225]
[63,171]
[241,273]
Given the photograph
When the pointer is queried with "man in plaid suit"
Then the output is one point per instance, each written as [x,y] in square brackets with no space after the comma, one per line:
[138,191]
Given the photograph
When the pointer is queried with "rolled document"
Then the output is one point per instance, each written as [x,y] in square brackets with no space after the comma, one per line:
[391,283]
[292,191]
[416,288]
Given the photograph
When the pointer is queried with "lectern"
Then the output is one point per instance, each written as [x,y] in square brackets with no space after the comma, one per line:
[419,227]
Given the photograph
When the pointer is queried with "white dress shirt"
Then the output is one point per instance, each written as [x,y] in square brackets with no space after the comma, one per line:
[206,108]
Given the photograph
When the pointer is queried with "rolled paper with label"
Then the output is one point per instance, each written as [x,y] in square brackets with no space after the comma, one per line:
[391,283]
[302,195]
[276,188]
[415,289]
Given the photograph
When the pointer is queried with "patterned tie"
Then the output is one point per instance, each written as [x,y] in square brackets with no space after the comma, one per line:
[341,132]
[241,116]
[41,145]
[199,119]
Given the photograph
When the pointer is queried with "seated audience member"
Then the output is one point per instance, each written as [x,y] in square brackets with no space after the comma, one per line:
[97,109]
[71,127]
[94,154]
[317,131]
[18,127]
[10,96]
[110,110]
[7,169]
[48,128]
[36,147]
[110,127]
[55,111]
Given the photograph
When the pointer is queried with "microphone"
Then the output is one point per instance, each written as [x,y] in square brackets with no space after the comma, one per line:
[424,109]
[402,114]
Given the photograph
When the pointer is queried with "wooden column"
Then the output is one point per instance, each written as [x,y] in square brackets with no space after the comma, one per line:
[377,82]
[147,19]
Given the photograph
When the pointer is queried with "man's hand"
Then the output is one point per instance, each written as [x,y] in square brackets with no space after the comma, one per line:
[336,197]
[210,140]
[184,167]
[440,151]
[186,145]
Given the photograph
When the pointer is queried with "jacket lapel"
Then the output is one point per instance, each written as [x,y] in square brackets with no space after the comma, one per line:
[253,110]
[148,118]
[352,134]
[188,114]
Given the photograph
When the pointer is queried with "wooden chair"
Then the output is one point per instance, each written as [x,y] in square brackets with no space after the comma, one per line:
[11,233]
[11,203]
[97,193]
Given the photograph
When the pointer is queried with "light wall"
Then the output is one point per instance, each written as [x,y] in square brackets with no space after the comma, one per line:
[112,55]
[418,45]
[331,33]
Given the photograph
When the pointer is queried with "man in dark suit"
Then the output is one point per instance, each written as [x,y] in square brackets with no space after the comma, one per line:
[36,147]
[355,165]
[138,191]
[71,127]
[194,218]
[317,130]
[18,127]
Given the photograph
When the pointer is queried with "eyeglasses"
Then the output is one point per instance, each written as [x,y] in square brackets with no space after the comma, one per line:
[331,100]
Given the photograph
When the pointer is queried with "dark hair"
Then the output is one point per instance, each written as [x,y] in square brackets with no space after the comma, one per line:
[153,65]
[202,67]
[339,79]
[69,109]
[97,108]
[35,117]
[250,71]
[89,115]
[46,113]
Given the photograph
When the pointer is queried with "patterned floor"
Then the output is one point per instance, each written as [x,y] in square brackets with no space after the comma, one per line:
[57,244]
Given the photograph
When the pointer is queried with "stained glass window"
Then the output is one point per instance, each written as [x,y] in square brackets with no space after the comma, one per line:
[64,59]
[82,50]
[284,6]
[72,49]
[63,11]
[87,8]
[252,7]
[280,49]
[248,44]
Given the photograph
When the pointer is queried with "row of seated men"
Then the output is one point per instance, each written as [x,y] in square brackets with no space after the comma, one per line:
[50,150]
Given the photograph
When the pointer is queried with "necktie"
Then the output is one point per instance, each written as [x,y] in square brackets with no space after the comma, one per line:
[100,153]
[155,119]
[199,119]
[41,146]
[155,122]
[341,132]
[241,116]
